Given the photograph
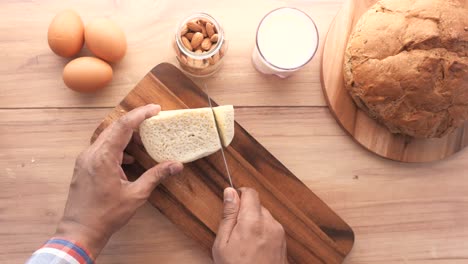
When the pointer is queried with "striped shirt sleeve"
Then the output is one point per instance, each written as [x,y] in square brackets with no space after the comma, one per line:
[61,251]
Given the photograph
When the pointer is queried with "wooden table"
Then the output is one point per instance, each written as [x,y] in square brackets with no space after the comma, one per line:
[401,213]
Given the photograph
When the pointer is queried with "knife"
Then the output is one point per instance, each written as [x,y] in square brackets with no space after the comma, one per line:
[219,138]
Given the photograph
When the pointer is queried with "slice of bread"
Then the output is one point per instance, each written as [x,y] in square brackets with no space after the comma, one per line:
[225,119]
[185,135]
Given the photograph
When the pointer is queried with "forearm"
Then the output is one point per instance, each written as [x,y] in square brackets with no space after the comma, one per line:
[61,251]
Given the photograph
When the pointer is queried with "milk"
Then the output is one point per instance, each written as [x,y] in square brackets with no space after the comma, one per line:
[287,39]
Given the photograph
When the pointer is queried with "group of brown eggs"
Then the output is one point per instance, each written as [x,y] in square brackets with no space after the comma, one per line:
[105,39]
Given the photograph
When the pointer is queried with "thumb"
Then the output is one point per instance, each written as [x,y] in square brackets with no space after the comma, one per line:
[152,177]
[230,213]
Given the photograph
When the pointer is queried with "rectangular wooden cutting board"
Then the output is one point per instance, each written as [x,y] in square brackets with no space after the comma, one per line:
[193,200]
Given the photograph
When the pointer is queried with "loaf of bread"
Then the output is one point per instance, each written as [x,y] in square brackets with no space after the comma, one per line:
[188,134]
[406,65]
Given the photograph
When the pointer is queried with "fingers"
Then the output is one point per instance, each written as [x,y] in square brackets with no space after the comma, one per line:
[102,136]
[274,227]
[144,185]
[266,213]
[122,130]
[230,213]
[250,203]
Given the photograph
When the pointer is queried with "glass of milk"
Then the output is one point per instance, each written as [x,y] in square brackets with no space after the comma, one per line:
[287,39]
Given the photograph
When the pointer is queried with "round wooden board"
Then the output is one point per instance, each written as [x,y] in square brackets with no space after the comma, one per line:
[367,132]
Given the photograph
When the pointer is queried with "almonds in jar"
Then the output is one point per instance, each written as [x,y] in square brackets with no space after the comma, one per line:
[200,45]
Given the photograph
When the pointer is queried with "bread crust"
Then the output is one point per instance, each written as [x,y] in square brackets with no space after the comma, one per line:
[406,65]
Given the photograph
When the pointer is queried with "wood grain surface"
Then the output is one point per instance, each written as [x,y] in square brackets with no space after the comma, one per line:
[315,234]
[365,130]
[401,213]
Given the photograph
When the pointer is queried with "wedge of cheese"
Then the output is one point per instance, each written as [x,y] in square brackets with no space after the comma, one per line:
[225,119]
[188,134]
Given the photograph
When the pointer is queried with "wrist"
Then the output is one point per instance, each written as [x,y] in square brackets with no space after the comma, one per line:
[91,240]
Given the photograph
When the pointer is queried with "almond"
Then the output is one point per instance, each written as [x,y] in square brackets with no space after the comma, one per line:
[196,40]
[177,51]
[214,38]
[210,29]
[215,58]
[186,43]
[222,51]
[198,63]
[189,35]
[194,26]
[204,31]
[213,46]
[205,64]
[202,21]
[190,61]
[183,59]
[184,30]
[206,44]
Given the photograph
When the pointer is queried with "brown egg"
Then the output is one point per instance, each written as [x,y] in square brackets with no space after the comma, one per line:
[87,74]
[106,40]
[66,34]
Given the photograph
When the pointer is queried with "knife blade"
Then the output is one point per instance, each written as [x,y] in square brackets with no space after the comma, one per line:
[228,173]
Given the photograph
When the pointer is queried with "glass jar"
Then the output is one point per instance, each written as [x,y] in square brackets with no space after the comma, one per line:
[204,59]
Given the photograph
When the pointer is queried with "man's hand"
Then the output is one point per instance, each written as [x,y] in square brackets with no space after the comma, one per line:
[101,199]
[248,233]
